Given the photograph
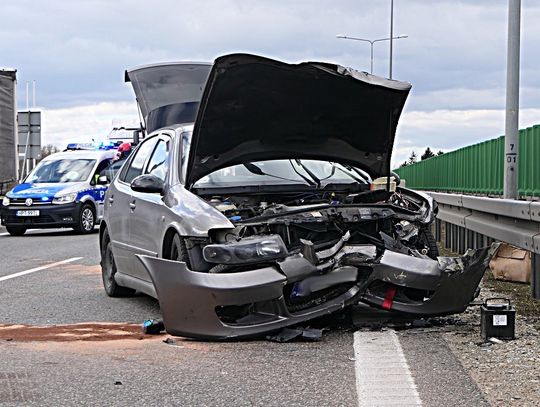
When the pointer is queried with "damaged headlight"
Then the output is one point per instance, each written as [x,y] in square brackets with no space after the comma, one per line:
[249,250]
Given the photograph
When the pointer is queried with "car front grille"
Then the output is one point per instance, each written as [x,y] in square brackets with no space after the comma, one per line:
[22,202]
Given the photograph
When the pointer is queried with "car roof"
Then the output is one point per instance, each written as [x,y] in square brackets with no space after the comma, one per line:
[78,154]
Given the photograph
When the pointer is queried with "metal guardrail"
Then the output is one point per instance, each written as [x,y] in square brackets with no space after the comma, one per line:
[474,221]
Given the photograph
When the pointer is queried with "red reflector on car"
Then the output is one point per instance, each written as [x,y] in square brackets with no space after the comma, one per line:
[389,297]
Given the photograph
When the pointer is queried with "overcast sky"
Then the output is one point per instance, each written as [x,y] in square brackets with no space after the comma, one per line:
[454,56]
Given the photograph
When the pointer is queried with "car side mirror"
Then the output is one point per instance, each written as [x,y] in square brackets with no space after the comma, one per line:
[102,180]
[147,183]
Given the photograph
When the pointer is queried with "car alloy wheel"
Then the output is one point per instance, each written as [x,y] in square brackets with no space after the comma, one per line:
[87,219]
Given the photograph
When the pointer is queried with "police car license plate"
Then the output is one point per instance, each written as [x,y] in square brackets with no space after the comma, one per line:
[28,213]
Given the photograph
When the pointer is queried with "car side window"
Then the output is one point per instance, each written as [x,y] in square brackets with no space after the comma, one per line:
[100,168]
[158,164]
[137,163]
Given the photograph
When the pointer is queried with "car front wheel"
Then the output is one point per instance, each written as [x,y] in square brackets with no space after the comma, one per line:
[108,270]
[15,230]
[87,219]
[177,250]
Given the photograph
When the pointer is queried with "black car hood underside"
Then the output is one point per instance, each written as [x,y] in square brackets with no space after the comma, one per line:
[256,109]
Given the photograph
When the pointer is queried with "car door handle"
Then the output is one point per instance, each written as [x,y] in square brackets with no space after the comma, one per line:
[111,200]
[132,205]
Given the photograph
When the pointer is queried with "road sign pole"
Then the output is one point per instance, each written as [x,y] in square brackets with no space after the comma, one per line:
[511,144]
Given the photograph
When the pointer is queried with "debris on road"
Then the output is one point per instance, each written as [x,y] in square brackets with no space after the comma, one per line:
[289,334]
[71,332]
[172,342]
[153,326]
[497,319]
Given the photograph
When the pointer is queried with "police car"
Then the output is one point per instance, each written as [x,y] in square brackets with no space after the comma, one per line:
[64,190]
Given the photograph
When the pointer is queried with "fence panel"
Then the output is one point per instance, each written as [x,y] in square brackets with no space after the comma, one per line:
[479,168]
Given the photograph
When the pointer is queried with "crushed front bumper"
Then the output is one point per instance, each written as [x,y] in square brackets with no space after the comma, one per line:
[191,302]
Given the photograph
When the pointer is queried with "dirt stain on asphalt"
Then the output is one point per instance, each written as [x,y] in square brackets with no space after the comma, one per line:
[71,332]
[81,268]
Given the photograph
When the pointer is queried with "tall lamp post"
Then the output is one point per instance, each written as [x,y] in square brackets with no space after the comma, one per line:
[372,42]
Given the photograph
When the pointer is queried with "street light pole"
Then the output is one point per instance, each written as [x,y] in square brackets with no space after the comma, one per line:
[511,136]
[372,42]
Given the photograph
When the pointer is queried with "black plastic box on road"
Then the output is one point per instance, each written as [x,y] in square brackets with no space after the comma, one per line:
[497,319]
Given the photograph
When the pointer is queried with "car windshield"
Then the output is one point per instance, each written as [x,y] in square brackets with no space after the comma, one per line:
[62,170]
[307,172]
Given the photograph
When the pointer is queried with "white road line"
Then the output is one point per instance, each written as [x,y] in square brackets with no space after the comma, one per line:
[383,377]
[48,266]
[28,230]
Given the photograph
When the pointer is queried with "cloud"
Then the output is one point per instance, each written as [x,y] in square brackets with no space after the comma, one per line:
[77,51]
[454,56]
[84,123]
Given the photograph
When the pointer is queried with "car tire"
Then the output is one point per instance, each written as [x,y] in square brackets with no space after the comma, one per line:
[426,239]
[87,219]
[177,250]
[16,230]
[108,270]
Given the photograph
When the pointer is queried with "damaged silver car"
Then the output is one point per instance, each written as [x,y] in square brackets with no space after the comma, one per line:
[263,198]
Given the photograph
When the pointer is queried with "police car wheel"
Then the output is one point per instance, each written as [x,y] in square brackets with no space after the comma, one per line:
[108,270]
[87,219]
[15,230]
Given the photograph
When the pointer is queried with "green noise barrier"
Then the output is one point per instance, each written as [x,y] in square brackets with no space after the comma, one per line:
[479,168]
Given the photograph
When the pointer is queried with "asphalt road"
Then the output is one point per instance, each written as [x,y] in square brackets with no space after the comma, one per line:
[61,366]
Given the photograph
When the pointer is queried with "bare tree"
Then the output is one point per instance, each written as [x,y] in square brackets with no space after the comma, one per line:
[48,150]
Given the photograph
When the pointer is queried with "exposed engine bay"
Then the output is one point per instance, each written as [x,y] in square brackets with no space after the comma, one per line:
[318,221]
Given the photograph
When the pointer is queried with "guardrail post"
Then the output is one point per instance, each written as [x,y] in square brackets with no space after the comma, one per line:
[535,276]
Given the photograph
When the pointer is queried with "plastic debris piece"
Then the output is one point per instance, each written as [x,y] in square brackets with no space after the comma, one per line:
[118,383]
[285,335]
[153,326]
[288,334]
[484,344]
[495,340]
[312,334]
[172,342]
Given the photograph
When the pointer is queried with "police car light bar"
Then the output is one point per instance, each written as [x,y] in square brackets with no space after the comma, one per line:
[92,146]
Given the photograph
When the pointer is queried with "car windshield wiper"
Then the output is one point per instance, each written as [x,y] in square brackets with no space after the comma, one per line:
[310,173]
[309,181]
[349,168]
[258,171]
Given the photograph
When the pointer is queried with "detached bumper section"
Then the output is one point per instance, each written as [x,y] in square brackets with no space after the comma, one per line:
[250,303]
[424,287]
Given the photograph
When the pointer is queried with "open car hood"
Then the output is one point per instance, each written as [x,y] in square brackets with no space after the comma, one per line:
[168,93]
[256,109]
